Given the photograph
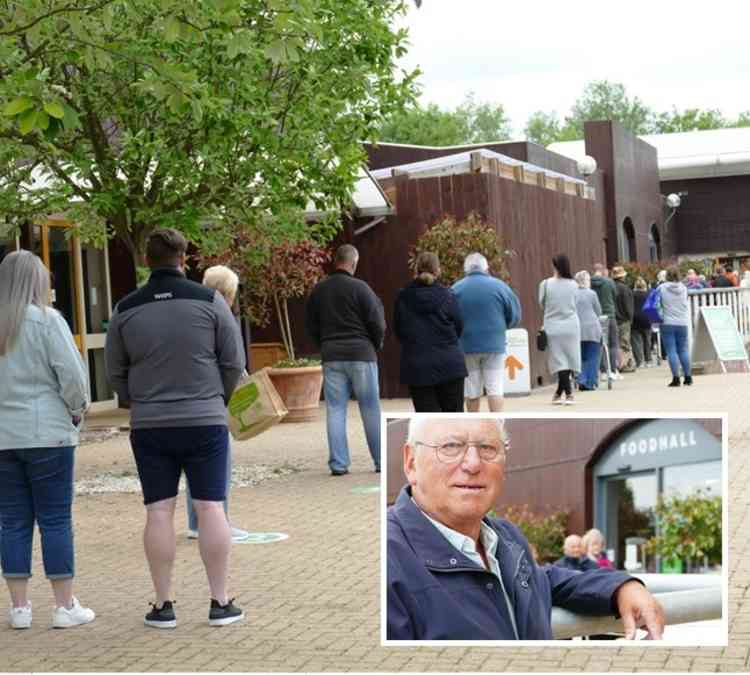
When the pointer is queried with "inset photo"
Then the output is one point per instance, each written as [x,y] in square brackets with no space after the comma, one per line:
[575,529]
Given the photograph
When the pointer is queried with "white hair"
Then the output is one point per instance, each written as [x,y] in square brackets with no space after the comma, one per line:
[583,279]
[222,279]
[417,423]
[662,275]
[24,281]
[475,262]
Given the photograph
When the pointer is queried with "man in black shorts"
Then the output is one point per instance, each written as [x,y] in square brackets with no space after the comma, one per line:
[174,355]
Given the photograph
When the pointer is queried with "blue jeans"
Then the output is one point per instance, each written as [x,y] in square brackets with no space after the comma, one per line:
[340,379]
[590,354]
[36,485]
[675,341]
[192,516]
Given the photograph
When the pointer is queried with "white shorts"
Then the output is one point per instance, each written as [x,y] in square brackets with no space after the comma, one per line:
[485,373]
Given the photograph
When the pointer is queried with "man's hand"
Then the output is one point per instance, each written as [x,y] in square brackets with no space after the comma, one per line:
[639,609]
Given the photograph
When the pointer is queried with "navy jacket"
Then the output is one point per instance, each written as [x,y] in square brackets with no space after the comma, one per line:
[640,320]
[428,324]
[582,564]
[437,593]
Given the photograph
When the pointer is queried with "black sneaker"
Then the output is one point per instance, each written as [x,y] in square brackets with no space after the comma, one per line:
[222,615]
[162,617]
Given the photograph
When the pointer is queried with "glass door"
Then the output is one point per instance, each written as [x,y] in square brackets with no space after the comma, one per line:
[629,505]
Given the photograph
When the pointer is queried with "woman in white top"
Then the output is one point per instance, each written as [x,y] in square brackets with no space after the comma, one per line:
[557,296]
[45,393]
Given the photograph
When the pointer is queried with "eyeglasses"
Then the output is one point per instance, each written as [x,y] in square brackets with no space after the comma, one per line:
[452,452]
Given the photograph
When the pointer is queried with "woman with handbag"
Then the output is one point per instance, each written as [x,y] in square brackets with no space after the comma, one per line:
[557,297]
[44,396]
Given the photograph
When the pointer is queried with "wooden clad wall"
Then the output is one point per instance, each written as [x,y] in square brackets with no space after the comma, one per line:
[535,222]
[714,215]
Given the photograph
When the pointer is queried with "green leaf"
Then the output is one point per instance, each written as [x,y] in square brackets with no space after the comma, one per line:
[27,122]
[172,29]
[54,109]
[70,118]
[197,108]
[276,51]
[42,120]
[17,106]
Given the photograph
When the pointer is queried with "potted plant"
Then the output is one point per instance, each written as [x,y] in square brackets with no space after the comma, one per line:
[271,274]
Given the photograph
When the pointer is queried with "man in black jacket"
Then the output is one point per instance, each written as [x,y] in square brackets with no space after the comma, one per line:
[624,314]
[346,319]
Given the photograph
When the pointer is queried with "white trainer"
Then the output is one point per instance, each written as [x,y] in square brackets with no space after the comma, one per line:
[63,617]
[192,534]
[20,617]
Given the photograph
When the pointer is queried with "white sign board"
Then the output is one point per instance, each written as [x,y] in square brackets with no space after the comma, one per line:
[517,376]
[717,337]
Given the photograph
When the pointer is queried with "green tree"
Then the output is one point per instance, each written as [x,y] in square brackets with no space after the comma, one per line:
[545,128]
[470,122]
[743,119]
[134,114]
[691,119]
[690,528]
[605,100]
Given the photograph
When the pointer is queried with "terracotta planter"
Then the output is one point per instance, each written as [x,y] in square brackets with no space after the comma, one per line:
[300,390]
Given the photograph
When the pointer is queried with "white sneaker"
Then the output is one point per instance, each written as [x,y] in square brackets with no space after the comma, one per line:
[239,535]
[192,534]
[63,617]
[20,617]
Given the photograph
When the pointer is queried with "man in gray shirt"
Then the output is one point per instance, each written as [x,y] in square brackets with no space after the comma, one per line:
[174,356]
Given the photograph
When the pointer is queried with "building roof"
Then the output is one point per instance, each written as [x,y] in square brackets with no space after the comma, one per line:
[368,199]
[689,154]
[461,163]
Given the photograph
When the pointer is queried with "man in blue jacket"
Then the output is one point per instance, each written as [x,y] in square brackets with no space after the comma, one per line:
[454,574]
[489,307]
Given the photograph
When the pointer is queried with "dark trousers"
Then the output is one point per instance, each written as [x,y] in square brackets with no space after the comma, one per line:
[443,397]
[564,385]
[641,341]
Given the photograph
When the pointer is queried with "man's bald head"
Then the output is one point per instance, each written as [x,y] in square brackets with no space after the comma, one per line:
[573,546]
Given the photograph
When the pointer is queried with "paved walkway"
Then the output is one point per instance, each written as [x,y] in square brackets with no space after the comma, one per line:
[313,600]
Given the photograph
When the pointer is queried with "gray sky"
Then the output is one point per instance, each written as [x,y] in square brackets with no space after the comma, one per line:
[538,54]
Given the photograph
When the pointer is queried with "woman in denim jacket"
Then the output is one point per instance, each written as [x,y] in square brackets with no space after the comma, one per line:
[44,395]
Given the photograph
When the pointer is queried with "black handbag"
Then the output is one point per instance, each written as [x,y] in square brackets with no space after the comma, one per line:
[541,339]
[541,334]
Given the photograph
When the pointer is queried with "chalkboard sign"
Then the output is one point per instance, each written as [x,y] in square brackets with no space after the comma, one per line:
[717,337]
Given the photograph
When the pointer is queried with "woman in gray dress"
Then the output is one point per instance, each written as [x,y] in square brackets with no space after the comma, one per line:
[557,297]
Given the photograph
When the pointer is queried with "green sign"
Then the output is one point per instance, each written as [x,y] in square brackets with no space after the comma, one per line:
[717,336]
[263,538]
[365,489]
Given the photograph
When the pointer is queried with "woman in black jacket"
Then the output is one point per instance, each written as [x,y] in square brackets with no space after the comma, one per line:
[427,322]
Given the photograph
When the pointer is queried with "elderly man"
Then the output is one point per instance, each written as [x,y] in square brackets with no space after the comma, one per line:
[489,307]
[573,556]
[456,574]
